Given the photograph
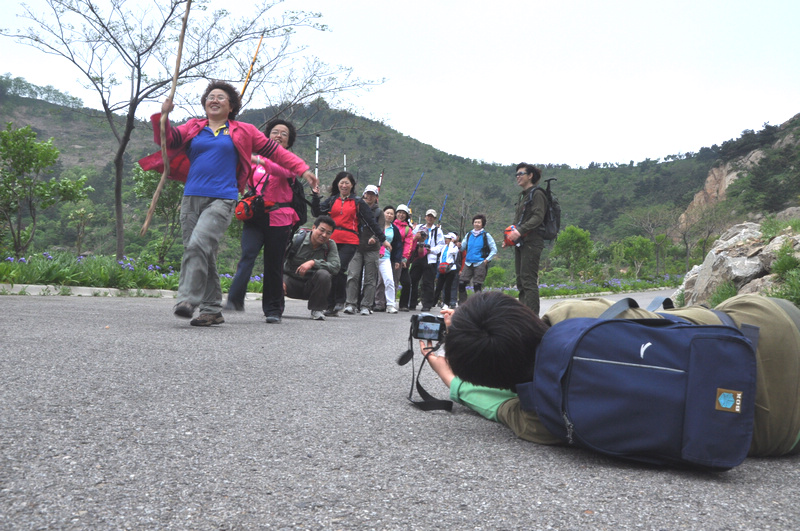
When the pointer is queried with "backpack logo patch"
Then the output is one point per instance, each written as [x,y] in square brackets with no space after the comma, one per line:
[729,400]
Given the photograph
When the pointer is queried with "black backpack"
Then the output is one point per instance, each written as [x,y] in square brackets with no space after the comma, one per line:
[551,224]
[299,203]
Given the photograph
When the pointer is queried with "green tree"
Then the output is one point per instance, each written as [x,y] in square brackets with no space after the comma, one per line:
[25,191]
[80,218]
[655,222]
[637,251]
[496,277]
[574,245]
[168,207]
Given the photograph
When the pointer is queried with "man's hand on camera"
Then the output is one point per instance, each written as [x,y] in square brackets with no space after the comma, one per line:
[438,363]
[448,316]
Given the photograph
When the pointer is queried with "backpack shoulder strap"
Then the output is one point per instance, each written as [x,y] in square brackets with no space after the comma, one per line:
[297,241]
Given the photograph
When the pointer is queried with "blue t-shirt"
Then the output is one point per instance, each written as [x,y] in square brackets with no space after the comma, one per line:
[213,159]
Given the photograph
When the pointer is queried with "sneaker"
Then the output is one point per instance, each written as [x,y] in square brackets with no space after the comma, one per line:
[330,313]
[338,307]
[183,309]
[392,309]
[364,311]
[317,315]
[379,309]
[349,309]
[274,319]
[445,307]
[426,308]
[208,319]
[404,310]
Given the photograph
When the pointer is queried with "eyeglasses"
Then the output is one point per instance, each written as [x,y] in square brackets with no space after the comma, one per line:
[520,173]
[216,98]
[275,132]
[324,232]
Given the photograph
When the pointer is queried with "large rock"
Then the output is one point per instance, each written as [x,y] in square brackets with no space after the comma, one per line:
[742,256]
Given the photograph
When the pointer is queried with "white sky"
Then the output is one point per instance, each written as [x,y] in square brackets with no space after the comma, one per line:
[571,81]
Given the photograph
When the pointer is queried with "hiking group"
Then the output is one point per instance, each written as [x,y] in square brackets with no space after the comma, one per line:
[357,257]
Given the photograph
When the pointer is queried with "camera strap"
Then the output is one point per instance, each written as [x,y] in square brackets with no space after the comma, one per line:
[428,402]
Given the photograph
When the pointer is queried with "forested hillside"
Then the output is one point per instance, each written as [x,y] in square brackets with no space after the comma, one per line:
[602,199]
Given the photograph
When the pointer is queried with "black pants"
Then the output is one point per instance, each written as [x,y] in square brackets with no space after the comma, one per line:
[428,284]
[338,293]
[445,283]
[404,281]
[415,274]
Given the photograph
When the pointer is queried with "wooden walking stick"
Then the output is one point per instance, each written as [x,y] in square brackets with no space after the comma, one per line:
[164,117]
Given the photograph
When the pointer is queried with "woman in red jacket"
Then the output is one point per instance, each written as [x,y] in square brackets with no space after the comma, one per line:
[352,215]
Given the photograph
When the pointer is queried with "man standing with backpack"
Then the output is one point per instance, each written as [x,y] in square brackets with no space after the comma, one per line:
[527,241]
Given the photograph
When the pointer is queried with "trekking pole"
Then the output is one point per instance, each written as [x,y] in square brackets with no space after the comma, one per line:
[415,190]
[247,79]
[442,212]
[316,161]
[380,180]
[164,117]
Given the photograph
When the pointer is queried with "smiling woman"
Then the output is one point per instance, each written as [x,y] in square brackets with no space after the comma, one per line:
[212,156]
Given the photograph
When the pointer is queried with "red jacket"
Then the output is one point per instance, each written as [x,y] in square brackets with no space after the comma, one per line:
[247,139]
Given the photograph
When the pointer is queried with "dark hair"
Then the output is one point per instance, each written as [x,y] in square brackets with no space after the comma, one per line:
[480,217]
[326,220]
[387,207]
[339,176]
[233,96]
[289,125]
[533,170]
[492,340]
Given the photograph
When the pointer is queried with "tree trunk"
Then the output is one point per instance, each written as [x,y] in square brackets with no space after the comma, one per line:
[118,172]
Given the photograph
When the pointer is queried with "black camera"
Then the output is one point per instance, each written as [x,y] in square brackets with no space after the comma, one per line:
[427,326]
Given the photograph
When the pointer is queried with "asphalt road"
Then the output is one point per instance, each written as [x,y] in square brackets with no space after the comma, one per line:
[116,415]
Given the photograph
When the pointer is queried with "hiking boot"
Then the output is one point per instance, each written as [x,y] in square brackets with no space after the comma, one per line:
[364,311]
[349,309]
[317,315]
[426,308]
[404,309]
[184,310]
[338,307]
[208,319]
[274,319]
[392,309]
[330,313]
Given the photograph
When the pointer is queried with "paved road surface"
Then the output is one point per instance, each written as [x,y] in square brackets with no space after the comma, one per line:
[116,415]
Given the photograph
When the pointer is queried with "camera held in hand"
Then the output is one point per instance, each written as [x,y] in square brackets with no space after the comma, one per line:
[427,326]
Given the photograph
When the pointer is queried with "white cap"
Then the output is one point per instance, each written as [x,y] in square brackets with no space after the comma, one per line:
[371,188]
[404,208]
[431,212]
[450,235]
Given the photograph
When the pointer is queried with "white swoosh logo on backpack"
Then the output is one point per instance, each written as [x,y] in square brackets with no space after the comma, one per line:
[643,348]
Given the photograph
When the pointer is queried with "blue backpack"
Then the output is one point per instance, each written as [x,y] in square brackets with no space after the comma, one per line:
[660,391]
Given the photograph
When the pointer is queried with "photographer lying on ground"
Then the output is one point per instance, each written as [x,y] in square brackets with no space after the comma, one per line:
[492,339]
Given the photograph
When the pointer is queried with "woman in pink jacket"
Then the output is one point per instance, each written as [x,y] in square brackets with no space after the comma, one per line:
[213,156]
[402,278]
[271,231]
